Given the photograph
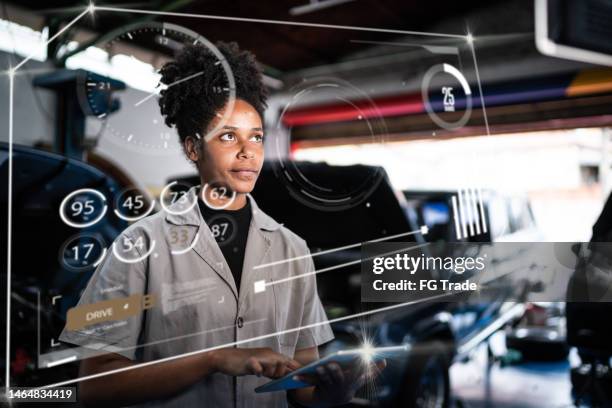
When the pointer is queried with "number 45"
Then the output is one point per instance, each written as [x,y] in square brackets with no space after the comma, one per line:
[134,203]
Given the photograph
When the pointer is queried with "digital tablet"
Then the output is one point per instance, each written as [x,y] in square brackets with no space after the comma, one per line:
[342,357]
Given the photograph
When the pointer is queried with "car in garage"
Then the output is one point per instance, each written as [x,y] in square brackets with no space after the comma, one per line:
[509,218]
[438,332]
[380,121]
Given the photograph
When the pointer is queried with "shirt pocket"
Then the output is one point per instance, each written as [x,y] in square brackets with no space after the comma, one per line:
[288,315]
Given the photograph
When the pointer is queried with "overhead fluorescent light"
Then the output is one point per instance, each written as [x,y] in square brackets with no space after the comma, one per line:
[273,83]
[315,5]
[22,40]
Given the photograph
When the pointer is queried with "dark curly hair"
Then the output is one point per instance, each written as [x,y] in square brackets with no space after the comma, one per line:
[191,105]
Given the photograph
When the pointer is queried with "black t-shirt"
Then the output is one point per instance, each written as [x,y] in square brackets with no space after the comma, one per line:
[230,229]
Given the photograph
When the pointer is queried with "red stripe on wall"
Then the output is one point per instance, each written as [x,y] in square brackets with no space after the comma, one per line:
[386,106]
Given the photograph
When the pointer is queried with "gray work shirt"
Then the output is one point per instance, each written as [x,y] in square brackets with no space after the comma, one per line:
[196,306]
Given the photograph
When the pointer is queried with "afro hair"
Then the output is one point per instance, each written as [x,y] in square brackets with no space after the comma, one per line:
[191,105]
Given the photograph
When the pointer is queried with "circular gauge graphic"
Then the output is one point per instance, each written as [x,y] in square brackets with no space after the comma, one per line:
[132,116]
[181,239]
[311,184]
[450,93]
[132,204]
[223,228]
[82,252]
[83,208]
[95,92]
[176,195]
[133,250]
[217,195]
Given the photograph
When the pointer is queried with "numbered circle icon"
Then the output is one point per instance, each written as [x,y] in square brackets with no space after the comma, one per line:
[132,205]
[82,252]
[455,85]
[175,199]
[223,228]
[217,195]
[133,249]
[180,239]
[83,208]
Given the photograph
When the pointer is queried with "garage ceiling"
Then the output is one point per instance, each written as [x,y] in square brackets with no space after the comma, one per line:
[281,47]
[504,31]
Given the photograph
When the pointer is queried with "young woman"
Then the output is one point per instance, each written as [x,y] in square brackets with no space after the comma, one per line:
[196,265]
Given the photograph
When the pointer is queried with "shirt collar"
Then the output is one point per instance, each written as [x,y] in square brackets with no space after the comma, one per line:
[193,216]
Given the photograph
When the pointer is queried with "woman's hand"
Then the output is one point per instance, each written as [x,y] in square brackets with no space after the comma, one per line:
[335,386]
[257,361]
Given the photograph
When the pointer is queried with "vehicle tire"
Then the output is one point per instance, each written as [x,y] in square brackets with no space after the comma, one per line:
[427,383]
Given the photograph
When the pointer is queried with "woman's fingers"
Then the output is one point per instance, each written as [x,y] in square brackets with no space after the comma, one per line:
[357,382]
[254,366]
[330,374]
[308,379]
[293,365]
[324,376]
[376,368]
[369,372]
[269,363]
[335,372]
[355,371]
[278,366]
[280,369]
[270,367]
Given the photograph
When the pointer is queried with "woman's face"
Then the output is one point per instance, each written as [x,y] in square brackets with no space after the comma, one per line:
[234,155]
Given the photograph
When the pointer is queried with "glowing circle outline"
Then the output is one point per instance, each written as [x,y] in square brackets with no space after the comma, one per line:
[161,201]
[132,219]
[218,217]
[94,264]
[221,207]
[131,261]
[189,248]
[87,224]
[451,70]
[193,38]
[99,261]
[283,167]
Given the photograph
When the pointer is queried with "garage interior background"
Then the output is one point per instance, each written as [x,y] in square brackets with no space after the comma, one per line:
[549,120]
[561,162]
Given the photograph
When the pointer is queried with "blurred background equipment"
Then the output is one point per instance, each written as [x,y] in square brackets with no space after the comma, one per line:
[575,30]
[588,326]
[70,88]
[395,120]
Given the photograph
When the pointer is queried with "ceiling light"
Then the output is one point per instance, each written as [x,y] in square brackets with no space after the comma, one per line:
[315,5]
